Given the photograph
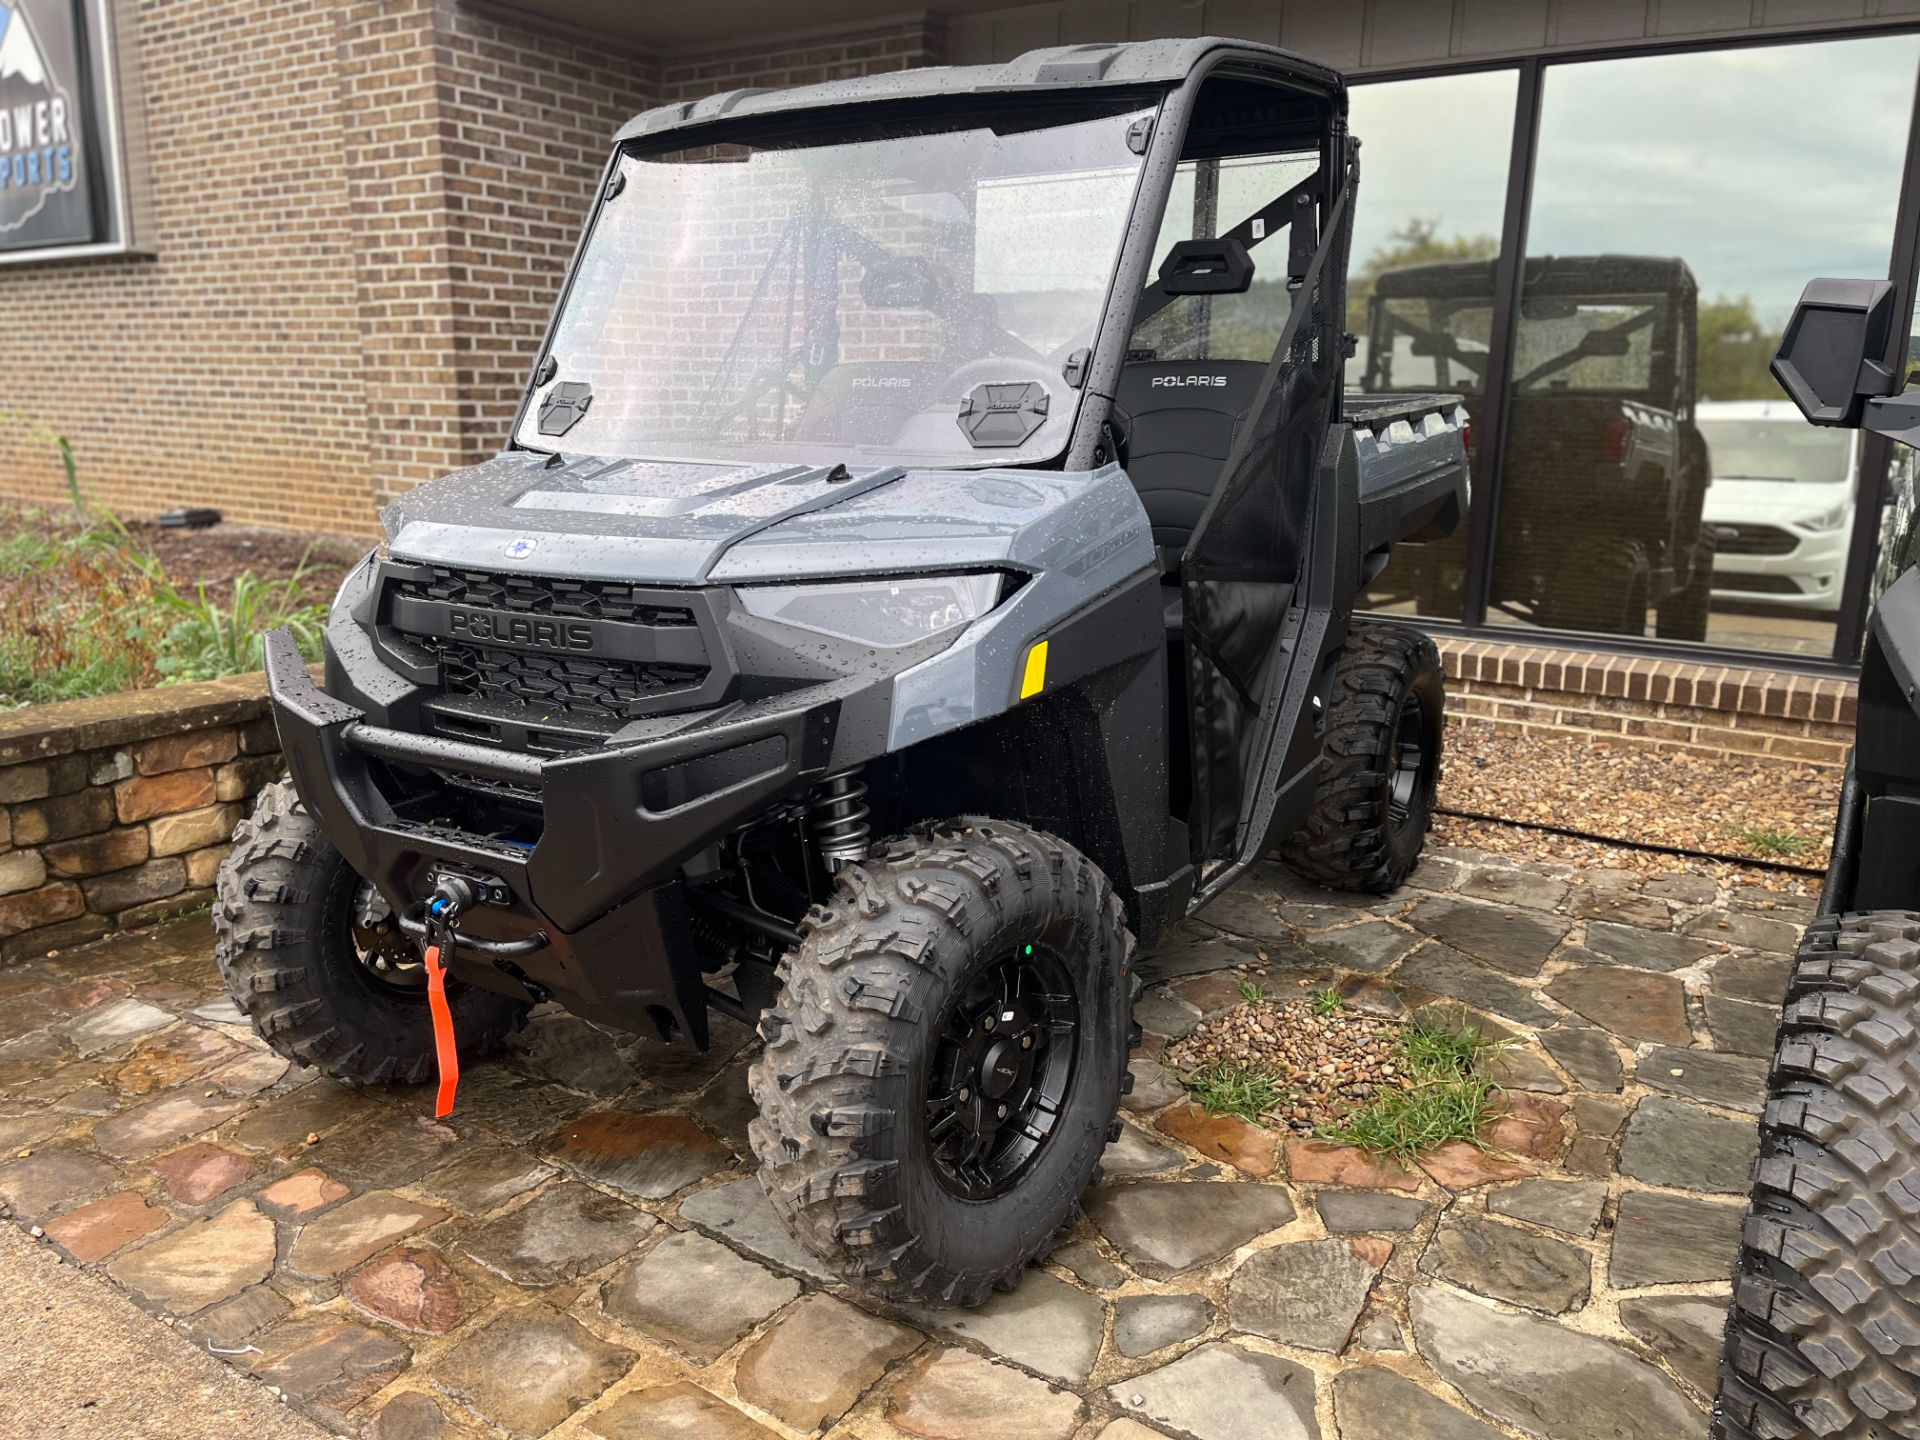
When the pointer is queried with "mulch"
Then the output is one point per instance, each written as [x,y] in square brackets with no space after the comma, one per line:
[1708,804]
[1327,1065]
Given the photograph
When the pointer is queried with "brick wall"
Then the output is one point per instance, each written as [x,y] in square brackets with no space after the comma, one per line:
[360,215]
[896,45]
[116,812]
[225,369]
[1638,700]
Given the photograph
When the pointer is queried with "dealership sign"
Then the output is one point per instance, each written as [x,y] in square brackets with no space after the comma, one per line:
[59,180]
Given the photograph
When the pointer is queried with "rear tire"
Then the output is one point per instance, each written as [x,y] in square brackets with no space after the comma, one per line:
[1375,799]
[1823,1338]
[284,923]
[874,1136]
[1599,587]
[1685,614]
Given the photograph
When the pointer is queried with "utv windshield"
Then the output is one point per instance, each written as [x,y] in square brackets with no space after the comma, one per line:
[847,295]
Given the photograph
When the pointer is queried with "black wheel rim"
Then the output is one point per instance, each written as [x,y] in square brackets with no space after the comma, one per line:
[1412,763]
[387,959]
[1001,1072]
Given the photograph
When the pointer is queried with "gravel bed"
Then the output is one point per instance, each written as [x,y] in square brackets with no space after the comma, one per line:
[1723,805]
[1327,1065]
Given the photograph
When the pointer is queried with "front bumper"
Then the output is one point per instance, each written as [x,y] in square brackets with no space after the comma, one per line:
[1808,577]
[592,912]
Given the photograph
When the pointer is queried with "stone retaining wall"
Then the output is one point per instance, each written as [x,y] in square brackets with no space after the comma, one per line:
[116,812]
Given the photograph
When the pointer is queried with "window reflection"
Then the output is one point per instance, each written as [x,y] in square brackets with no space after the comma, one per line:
[1656,478]
[1600,515]
[1433,181]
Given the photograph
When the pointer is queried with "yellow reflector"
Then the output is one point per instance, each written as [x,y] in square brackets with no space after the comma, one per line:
[1035,680]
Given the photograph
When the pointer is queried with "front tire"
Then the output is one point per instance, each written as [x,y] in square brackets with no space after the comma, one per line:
[1381,769]
[1823,1338]
[907,1136]
[299,960]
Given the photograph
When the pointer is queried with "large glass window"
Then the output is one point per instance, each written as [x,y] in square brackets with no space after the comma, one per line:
[1426,236]
[1656,479]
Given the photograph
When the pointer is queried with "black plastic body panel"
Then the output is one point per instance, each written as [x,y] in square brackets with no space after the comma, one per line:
[1876,850]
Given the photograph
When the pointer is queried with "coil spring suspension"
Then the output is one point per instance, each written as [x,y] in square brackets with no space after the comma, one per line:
[837,817]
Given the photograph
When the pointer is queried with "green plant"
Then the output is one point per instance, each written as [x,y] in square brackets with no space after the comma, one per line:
[1769,841]
[1447,1095]
[208,640]
[1235,1090]
[1328,1001]
[1253,992]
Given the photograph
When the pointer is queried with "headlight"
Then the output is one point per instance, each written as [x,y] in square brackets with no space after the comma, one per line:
[1830,519]
[883,613]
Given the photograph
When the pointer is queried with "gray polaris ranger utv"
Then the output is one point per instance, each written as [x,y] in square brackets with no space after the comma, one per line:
[920,573]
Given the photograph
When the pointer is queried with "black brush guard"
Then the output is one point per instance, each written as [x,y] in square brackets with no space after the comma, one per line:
[592,913]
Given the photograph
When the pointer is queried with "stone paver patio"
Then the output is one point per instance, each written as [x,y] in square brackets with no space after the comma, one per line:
[581,1250]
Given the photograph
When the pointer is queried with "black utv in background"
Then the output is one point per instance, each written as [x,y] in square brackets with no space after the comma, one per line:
[921,573]
[1823,1337]
[1606,474]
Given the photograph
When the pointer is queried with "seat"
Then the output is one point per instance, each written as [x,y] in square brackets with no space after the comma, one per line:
[1176,421]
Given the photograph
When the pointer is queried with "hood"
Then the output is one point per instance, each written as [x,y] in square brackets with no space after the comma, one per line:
[688,523]
[1733,501]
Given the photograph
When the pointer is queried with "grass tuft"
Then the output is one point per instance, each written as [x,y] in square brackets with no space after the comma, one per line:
[1770,841]
[1235,1090]
[1327,1002]
[1253,992]
[1450,1097]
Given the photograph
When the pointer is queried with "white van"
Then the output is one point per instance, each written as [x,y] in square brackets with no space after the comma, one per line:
[1780,504]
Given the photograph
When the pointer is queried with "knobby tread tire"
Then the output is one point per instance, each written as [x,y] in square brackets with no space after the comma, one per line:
[282,900]
[840,1086]
[1823,1337]
[1346,841]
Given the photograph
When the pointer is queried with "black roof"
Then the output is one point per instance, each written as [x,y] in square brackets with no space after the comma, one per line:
[1575,275]
[1060,68]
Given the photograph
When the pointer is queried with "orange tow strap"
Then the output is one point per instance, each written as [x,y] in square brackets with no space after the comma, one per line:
[444,1048]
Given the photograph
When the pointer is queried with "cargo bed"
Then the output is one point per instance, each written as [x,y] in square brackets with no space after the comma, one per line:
[1409,454]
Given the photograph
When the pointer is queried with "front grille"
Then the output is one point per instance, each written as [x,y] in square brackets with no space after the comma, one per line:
[529,686]
[1744,539]
[570,685]
[544,595]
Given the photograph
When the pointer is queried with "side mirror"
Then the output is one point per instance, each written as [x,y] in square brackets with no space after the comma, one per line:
[1207,267]
[1830,359]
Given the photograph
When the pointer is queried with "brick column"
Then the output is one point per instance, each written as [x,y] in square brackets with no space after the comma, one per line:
[390,81]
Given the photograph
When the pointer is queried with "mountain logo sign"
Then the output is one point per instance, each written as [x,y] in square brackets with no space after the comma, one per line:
[39,123]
